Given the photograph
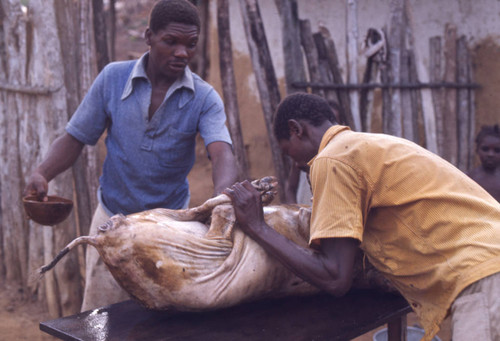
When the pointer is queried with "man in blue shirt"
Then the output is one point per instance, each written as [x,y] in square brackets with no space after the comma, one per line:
[152,110]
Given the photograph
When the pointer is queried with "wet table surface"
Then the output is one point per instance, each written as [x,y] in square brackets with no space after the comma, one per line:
[319,317]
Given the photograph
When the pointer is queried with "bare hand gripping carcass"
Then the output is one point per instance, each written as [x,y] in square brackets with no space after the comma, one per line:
[197,259]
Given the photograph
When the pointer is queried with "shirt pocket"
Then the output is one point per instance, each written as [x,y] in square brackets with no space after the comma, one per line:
[177,148]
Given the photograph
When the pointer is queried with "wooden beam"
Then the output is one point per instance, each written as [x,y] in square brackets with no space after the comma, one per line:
[229,92]
[333,61]
[290,32]
[450,146]
[463,112]
[266,82]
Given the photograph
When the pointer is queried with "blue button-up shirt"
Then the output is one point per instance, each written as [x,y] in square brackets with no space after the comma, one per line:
[147,161]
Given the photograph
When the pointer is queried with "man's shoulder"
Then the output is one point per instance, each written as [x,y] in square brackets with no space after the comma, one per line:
[120,66]
[200,84]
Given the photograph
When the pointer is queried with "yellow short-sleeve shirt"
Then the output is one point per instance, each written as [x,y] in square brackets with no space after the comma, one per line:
[423,223]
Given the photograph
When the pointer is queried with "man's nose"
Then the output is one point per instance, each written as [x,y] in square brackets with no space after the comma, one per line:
[181,51]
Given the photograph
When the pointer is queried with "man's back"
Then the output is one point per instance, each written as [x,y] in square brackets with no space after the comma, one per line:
[422,222]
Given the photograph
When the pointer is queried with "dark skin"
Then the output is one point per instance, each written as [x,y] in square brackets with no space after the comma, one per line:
[330,267]
[488,173]
[171,49]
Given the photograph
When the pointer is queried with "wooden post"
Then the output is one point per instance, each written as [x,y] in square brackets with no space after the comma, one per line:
[385,78]
[374,51]
[393,121]
[396,329]
[409,110]
[463,112]
[290,31]
[426,96]
[416,102]
[229,87]
[352,60]
[311,53]
[472,114]
[100,34]
[450,145]
[436,75]
[333,61]
[266,81]
[201,61]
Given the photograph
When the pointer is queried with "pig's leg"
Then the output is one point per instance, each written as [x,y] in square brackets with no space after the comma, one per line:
[203,212]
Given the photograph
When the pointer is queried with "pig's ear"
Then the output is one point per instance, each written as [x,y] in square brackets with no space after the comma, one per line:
[116,221]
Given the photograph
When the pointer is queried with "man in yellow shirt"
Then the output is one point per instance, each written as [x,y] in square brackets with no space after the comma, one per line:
[429,228]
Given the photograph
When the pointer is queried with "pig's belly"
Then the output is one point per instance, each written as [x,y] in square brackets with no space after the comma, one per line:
[169,264]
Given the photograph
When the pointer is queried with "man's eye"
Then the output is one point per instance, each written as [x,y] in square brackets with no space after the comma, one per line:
[497,150]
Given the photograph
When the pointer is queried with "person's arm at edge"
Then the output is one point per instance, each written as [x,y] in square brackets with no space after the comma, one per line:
[62,154]
[330,268]
[224,172]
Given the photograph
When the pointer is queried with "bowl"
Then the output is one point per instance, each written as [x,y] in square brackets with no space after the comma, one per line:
[50,212]
[412,334]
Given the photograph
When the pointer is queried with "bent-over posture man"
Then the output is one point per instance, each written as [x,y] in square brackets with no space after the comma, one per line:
[424,224]
[152,110]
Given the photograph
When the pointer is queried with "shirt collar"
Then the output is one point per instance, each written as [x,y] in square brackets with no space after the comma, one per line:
[139,71]
[327,137]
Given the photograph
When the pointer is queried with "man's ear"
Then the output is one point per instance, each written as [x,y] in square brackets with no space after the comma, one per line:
[295,127]
[147,36]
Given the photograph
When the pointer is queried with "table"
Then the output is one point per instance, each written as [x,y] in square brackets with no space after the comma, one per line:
[319,317]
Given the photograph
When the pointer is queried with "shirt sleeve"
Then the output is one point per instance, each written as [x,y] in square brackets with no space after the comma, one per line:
[90,119]
[337,210]
[212,124]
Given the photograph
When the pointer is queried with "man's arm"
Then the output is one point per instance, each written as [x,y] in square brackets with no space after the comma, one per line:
[330,268]
[224,172]
[62,154]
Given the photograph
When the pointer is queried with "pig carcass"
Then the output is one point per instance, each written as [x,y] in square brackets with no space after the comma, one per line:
[197,259]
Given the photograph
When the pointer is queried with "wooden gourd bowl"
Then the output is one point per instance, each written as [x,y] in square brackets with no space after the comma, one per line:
[50,212]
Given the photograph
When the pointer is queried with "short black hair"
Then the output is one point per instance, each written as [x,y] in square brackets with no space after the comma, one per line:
[301,106]
[487,130]
[165,12]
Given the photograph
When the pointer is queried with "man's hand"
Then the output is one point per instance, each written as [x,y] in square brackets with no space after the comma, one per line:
[247,205]
[37,185]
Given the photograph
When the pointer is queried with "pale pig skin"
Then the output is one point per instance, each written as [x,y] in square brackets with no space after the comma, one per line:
[177,259]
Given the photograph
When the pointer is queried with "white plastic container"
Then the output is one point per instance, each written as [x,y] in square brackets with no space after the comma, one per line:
[412,334]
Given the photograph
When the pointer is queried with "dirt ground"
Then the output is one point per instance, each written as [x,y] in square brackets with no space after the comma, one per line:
[20,316]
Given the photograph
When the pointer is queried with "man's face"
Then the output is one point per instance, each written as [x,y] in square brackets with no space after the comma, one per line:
[296,149]
[489,152]
[171,49]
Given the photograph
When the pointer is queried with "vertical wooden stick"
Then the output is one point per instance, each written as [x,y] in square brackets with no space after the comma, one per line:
[306,38]
[436,75]
[463,113]
[352,58]
[228,81]
[290,31]
[450,146]
[333,61]
[266,81]
[427,108]
[393,122]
